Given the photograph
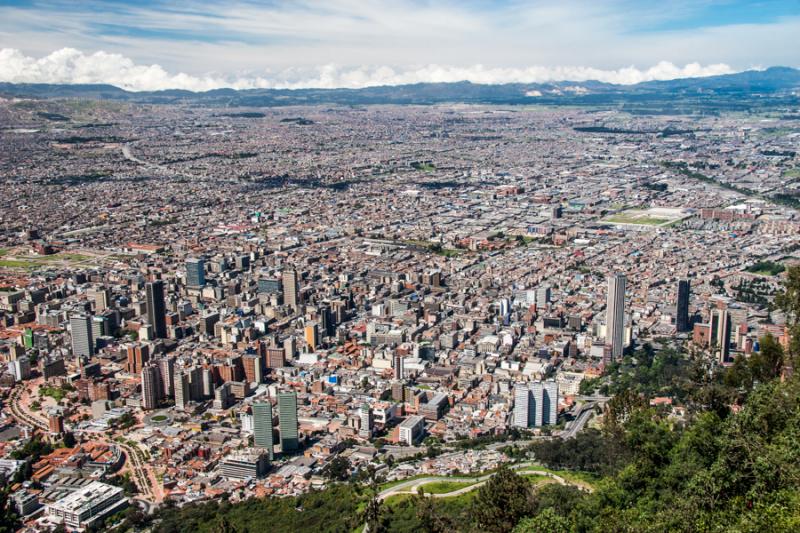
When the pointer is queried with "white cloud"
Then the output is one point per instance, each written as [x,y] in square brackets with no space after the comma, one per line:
[73,66]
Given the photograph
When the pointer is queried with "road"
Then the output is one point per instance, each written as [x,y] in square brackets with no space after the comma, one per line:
[586,413]
[411,486]
[20,412]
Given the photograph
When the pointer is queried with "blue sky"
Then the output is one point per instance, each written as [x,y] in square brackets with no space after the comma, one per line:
[357,42]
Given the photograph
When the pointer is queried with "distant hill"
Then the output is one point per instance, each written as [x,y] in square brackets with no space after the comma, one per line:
[773,86]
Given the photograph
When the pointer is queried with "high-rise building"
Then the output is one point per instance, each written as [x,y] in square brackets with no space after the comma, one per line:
[291,289]
[398,363]
[366,421]
[721,327]
[82,338]
[615,315]
[138,356]
[682,306]
[252,368]
[535,404]
[182,390]
[195,273]
[167,368]
[102,299]
[55,422]
[287,419]
[542,296]
[262,427]
[156,309]
[152,387]
[312,335]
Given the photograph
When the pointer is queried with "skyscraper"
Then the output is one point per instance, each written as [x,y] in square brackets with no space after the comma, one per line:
[182,391]
[535,404]
[152,388]
[291,289]
[195,272]
[82,338]
[167,367]
[615,315]
[287,419]
[156,309]
[138,356]
[312,335]
[366,421]
[722,320]
[682,306]
[262,427]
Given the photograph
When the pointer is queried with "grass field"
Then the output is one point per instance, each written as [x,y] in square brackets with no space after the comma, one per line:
[636,218]
[33,262]
[443,487]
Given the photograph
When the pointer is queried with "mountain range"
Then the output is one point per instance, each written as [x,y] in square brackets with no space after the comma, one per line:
[775,86]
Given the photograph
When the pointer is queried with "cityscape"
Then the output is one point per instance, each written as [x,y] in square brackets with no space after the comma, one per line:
[560,305]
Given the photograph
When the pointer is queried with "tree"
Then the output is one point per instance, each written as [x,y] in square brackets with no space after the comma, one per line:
[338,469]
[501,502]
[545,522]
[788,301]
[69,440]
[431,519]
[767,363]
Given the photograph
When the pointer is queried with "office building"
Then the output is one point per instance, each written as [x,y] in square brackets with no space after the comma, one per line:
[312,336]
[167,367]
[55,422]
[138,356]
[182,390]
[20,368]
[682,306]
[398,363]
[243,465]
[152,387]
[411,430]
[82,338]
[262,427]
[195,273]
[615,315]
[287,419]
[88,505]
[365,421]
[721,334]
[291,288]
[156,309]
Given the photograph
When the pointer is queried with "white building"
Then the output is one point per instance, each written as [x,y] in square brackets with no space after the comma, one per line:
[412,429]
[88,505]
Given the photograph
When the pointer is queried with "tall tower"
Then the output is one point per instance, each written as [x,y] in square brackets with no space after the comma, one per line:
[522,403]
[156,309]
[723,334]
[82,338]
[615,315]
[550,402]
[682,306]
[262,427]
[138,356]
[195,273]
[182,391]
[152,387]
[312,335]
[291,289]
[287,419]
[167,367]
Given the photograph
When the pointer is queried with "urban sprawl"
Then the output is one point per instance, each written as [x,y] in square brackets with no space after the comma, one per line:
[207,302]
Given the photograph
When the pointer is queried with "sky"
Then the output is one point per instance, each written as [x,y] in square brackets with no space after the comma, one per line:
[202,45]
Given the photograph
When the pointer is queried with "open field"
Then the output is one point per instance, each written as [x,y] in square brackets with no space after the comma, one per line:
[656,217]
